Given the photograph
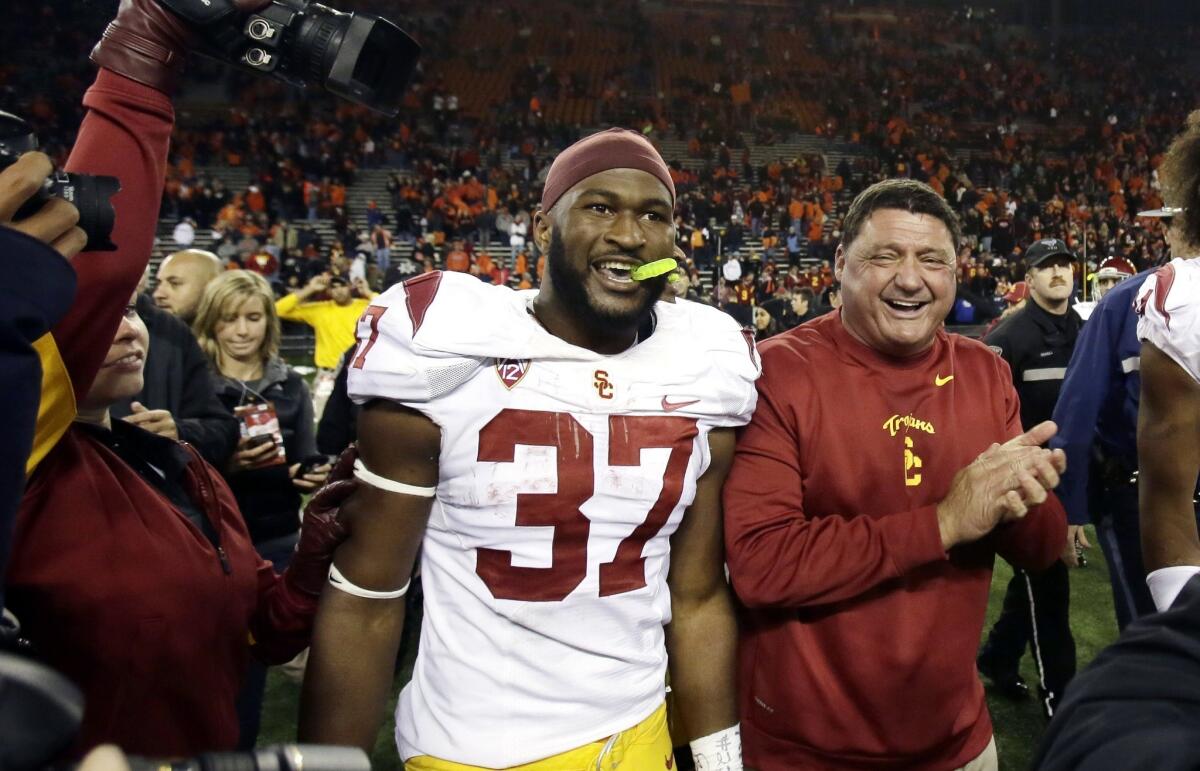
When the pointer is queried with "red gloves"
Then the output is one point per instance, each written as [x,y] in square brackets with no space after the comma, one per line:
[320,531]
[148,43]
[282,623]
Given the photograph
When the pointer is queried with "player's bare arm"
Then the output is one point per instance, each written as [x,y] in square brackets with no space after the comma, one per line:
[1168,457]
[702,636]
[357,632]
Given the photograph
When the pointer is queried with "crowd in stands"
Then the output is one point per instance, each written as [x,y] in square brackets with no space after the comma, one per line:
[1033,138]
[771,126]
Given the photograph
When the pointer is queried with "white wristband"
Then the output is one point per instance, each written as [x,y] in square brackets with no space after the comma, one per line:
[1166,583]
[383,483]
[339,581]
[720,751]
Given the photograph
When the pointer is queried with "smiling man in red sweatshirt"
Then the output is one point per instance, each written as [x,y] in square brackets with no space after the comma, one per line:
[883,470]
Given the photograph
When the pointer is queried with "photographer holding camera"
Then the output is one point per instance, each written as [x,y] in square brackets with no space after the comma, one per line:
[37,285]
[132,570]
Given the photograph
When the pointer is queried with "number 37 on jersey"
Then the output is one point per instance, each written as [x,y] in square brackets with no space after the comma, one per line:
[615,502]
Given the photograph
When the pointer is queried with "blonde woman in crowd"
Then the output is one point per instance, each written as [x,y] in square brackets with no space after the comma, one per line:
[276,460]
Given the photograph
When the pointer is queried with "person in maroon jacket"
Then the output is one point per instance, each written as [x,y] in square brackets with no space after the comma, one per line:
[132,571]
[883,470]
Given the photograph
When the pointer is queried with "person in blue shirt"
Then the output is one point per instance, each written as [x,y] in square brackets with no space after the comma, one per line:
[1096,415]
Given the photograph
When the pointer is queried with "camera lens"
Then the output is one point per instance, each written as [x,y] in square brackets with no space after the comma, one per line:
[317,41]
[91,196]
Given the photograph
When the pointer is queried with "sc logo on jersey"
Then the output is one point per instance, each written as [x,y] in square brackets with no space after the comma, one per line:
[602,384]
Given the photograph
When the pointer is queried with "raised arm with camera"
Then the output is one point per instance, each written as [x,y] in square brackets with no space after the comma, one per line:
[125,133]
[127,128]
[133,572]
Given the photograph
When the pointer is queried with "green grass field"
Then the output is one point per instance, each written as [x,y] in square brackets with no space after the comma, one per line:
[1018,725]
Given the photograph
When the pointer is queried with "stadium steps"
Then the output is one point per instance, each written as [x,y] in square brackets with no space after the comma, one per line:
[371,184]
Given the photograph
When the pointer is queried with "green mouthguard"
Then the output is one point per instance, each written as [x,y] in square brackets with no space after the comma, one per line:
[652,269]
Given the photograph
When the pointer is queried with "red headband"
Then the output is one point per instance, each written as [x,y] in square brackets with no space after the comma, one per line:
[612,149]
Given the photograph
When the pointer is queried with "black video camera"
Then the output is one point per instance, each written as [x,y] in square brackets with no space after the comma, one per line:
[357,56]
[90,194]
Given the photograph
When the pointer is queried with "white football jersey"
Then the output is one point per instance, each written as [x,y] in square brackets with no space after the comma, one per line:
[563,473]
[1169,306]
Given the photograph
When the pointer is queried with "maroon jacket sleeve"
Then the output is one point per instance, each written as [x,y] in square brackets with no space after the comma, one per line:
[283,620]
[126,134]
[779,557]
[1038,539]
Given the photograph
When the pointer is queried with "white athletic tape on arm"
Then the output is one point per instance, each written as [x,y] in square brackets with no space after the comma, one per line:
[383,483]
[1166,584]
[720,751]
[339,581]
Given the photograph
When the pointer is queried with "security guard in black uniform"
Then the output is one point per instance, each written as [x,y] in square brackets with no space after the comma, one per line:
[1037,341]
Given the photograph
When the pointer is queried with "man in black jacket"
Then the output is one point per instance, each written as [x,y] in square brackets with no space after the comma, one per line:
[792,309]
[179,399]
[1037,342]
[1138,704]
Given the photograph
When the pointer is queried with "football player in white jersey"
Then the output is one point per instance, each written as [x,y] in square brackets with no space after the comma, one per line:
[557,456]
[1169,413]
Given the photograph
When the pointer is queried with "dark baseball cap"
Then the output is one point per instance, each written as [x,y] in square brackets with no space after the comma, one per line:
[339,281]
[1040,251]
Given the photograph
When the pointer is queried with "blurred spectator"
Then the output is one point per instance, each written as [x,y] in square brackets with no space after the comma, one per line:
[381,240]
[182,277]
[457,258]
[238,329]
[337,428]
[516,237]
[764,325]
[185,233]
[334,321]
[793,308]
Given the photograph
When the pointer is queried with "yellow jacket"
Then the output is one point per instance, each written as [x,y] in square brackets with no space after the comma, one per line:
[333,324]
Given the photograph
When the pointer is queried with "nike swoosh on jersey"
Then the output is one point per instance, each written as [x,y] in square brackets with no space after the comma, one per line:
[669,406]
[940,381]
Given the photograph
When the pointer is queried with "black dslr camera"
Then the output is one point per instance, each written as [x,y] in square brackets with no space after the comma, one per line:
[89,193]
[357,56]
